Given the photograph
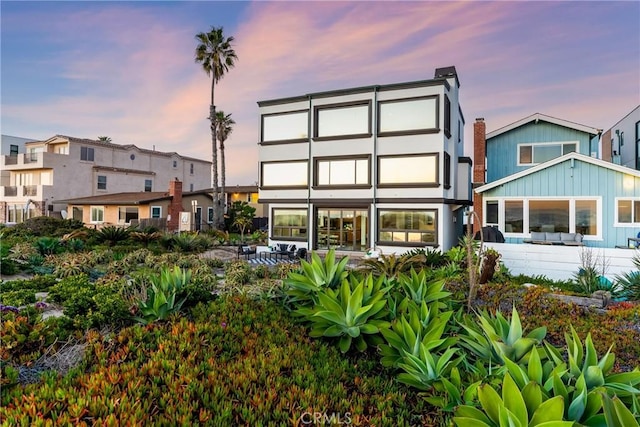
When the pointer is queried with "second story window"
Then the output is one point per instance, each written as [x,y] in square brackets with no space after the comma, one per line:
[191,169]
[447,116]
[175,163]
[86,154]
[284,174]
[191,187]
[532,154]
[342,172]
[102,182]
[147,185]
[13,150]
[418,170]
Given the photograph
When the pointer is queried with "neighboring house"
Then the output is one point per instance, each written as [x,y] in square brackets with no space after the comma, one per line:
[249,194]
[621,143]
[64,167]
[13,145]
[370,166]
[542,174]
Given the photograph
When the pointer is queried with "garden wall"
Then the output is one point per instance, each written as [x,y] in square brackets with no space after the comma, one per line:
[560,262]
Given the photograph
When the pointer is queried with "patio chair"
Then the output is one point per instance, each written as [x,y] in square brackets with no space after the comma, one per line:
[301,253]
[246,251]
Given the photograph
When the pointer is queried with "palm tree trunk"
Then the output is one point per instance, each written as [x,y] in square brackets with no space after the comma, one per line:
[223,181]
[214,159]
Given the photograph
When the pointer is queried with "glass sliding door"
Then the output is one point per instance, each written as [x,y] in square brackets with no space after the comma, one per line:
[343,229]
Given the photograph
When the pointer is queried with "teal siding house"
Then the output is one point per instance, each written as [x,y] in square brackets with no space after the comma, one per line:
[542,175]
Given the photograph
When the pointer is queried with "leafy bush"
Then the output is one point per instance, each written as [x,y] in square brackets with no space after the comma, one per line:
[24,336]
[112,235]
[237,274]
[8,267]
[44,226]
[302,286]
[630,282]
[159,300]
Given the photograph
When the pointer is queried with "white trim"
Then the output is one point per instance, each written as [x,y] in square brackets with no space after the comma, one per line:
[536,117]
[91,208]
[525,214]
[209,210]
[634,224]
[535,144]
[545,165]
[151,208]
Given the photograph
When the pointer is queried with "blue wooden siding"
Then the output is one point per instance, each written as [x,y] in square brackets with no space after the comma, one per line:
[502,150]
[583,179]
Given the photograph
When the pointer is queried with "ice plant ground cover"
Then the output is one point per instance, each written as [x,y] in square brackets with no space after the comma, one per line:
[156,334]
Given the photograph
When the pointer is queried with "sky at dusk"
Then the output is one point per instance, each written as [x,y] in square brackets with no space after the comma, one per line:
[126,69]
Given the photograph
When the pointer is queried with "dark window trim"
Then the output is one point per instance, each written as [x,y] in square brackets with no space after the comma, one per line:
[411,184]
[318,108]
[98,183]
[341,203]
[438,200]
[406,244]
[447,116]
[13,150]
[87,150]
[410,131]
[282,141]
[295,239]
[447,171]
[465,160]
[316,177]
[282,187]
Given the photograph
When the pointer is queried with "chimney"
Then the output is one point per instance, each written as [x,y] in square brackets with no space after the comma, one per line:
[175,205]
[479,168]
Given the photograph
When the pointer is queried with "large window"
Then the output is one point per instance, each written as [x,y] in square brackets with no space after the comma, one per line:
[408,227]
[342,172]
[126,214]
[86,153]
[285,127]
[522,216]
[628,211]
[416,170]
[102,182]
[513,216]
[285,174]
[531,154]
[290,224]
[408,115]
[97,214]
[343,121]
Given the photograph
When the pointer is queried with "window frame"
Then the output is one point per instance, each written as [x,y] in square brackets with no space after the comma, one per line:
[88,153]
[151,209]
[209,215]
[316,171]
[124,220]
[273,226]
[533,146]
[406,243]
[277,187]
[101,185]
[318,108]
[96,209]
[447,116]
[635,222]
[150,186]
[446,179]
[418,131]
[434,184]
[191,169]
[14,150]
[283,141]
[526,233]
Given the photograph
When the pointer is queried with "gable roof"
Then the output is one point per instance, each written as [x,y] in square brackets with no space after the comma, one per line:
[131,198]
[577,156]
[536,117]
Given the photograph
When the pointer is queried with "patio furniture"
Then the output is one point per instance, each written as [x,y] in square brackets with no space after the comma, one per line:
[545,238]
[373,253]
[246,251]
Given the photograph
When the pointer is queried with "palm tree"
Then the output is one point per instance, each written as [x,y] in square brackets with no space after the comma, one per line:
[104,138]
[224,127]
[217,56]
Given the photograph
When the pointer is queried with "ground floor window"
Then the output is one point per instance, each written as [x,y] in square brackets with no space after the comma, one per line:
[18,213]
[126,214]
[342,228]
[289,224]
[628,211]
[77,213]
[156,211]
[523,216]
[97,214]
[408,226]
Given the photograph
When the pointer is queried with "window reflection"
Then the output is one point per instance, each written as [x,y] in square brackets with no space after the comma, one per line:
[343,172]
[289,223]
[408,170]
[406,115]
[408,227]
[281,127]
[513,216]
[549,215]
[284,174]
[353,120]
[587,217]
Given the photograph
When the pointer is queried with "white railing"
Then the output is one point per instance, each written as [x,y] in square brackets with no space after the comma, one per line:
[561,262]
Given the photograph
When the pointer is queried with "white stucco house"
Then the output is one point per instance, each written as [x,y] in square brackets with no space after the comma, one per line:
[376,166]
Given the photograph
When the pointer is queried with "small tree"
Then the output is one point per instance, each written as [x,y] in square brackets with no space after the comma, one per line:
[240,209]
[242,223]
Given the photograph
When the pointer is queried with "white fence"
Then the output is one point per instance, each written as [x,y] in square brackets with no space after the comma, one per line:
[561,262]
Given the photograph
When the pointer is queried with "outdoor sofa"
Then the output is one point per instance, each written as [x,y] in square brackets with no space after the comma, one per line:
[557,238]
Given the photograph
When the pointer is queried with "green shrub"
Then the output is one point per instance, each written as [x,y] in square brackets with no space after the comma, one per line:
[44,226]
[8,267]
[112,235]
[160,299]
[237,274]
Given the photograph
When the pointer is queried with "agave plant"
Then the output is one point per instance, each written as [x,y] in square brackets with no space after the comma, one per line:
[146,235]
[417,288]
[353,313]
[48,245]
[629,283]
[303,286]
[425,325]
[496,339]
[527,407]
[160,301]
[423,370]
[392,265]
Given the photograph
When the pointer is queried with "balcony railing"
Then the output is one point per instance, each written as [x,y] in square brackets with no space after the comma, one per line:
[11,160]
